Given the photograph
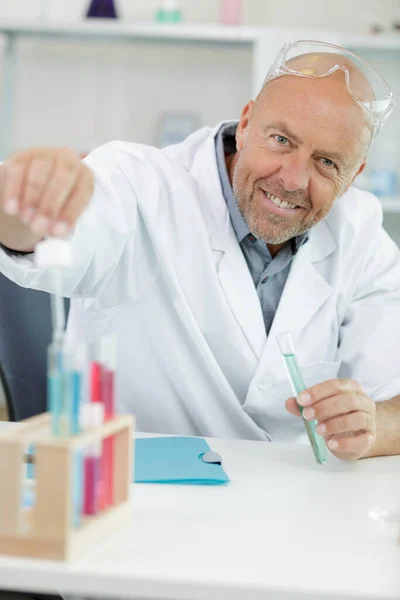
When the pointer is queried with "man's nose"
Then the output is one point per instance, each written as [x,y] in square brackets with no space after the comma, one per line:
[295,173]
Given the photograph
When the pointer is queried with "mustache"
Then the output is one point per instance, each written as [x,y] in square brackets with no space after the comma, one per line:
[297,197]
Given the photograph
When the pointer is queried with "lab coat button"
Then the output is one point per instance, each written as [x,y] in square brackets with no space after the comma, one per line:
[265,382]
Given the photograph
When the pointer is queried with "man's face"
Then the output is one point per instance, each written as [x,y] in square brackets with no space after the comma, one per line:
[300,145]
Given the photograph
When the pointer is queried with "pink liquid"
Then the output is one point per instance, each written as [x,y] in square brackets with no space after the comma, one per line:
[108,444]
[96,382]
[91,473]
[231,11]
[97,395]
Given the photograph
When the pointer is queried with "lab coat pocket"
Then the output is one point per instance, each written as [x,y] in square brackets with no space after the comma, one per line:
[269,391]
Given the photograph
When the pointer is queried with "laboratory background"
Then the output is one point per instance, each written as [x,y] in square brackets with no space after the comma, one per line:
[80,73]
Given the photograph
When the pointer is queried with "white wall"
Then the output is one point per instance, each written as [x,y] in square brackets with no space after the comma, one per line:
[83,94]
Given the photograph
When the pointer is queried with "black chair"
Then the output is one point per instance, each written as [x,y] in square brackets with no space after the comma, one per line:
[25,332]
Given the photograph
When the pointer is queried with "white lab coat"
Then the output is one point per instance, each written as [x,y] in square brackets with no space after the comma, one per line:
[157,262]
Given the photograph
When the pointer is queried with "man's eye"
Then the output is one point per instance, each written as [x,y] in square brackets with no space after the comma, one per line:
[328,163]
[281,139]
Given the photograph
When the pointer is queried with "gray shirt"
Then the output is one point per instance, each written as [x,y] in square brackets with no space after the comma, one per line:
[269,274]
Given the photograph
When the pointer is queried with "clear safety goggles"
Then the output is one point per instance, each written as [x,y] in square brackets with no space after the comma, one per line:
[300,59]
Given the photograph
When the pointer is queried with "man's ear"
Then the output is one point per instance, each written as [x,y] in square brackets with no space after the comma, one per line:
[243,126]
[358,172]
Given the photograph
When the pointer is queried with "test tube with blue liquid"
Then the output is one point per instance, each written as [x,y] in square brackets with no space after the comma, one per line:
[76,394]
[55,255]
[297,383]
[64,375]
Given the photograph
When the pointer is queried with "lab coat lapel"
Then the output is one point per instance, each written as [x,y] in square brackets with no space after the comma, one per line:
[232,270]
[306,290]
[241,294]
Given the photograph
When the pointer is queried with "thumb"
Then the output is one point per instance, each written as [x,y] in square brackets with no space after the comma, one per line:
[291,406]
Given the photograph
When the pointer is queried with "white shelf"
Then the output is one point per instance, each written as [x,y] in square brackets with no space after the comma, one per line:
[208,32]
[104,28]
[391,205]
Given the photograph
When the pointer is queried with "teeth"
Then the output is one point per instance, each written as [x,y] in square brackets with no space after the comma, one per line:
[280,203]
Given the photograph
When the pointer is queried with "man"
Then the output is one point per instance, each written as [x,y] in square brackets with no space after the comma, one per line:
[198,255]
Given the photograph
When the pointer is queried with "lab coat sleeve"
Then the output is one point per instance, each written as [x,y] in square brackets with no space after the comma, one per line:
[370,330]
[101,234]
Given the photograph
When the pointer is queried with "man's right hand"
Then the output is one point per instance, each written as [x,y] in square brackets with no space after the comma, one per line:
[43,191]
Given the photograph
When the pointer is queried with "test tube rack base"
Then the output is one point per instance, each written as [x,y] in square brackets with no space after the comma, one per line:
[47,529]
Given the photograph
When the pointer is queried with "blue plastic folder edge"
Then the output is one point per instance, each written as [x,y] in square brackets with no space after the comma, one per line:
[173,460]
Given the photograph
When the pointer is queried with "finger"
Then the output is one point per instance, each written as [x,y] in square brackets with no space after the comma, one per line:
[352,422]
[358,444]
[76,203]
[36,178]
[59,188]
[340,404]
[14,171]
[327,389]
[292,407]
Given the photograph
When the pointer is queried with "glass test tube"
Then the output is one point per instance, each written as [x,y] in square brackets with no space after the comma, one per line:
[55,386]
[97,399]
[108,383]
[297,383]
[93,416]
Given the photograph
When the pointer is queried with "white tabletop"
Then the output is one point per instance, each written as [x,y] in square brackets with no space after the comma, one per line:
[284,528]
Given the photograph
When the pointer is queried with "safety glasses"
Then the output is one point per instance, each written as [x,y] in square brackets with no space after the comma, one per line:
[312,59]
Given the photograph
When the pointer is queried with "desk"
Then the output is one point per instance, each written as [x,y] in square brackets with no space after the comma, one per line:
[284,528]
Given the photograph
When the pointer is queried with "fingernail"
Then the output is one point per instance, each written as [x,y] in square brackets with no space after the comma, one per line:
[60,229]
[333,444]
[304,399]
[27,215]
[40,225]
[10,207]
[308,413]
[320,428]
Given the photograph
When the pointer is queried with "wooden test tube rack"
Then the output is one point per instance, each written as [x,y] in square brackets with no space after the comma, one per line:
[47,529]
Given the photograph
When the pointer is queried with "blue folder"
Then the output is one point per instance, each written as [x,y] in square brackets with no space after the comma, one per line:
[181,460]
[176,460]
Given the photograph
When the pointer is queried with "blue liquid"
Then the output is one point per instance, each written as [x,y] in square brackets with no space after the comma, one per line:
[317,442]
[76,384]
[55,393]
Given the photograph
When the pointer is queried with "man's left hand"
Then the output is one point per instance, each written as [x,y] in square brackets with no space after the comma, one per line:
[346,416]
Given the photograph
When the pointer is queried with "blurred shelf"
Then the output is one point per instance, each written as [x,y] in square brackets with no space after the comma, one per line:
[104,28]
[207,32]
[391,205]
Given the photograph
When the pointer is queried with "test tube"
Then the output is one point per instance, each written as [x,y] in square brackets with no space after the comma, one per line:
[55,386]
[55,255]
[297,383]
[108,393]
[78,383]
[92,416]
[96,398]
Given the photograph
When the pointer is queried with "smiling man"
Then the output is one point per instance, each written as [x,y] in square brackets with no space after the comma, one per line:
[196,256]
